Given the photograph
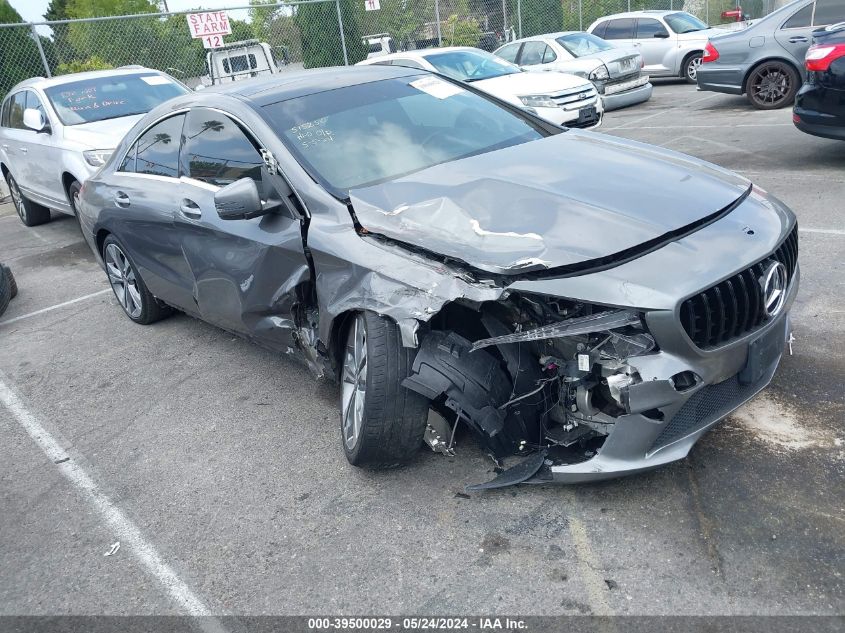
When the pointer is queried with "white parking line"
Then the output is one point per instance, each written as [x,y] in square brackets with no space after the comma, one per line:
[801,229]
[55,307]
[593,582]
[687,127]
[125,530]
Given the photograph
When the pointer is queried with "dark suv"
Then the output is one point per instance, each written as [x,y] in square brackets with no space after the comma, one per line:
[820,105]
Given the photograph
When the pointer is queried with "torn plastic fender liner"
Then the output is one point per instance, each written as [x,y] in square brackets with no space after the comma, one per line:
[571,327]
[474,385]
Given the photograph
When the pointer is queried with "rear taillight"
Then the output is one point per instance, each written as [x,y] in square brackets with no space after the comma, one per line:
[710,53]
[820,57]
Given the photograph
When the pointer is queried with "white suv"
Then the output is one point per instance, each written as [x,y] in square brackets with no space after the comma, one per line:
[671,42]
[55,133]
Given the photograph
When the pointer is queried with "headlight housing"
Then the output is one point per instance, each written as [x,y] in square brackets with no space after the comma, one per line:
[97,157]
[538,101]
[599,74]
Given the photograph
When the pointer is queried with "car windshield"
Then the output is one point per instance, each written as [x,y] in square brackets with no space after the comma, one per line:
[471,65]
[370,133]
[583,44]
[110,97]
[684,23]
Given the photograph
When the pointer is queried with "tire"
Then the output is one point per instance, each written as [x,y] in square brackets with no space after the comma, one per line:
[391,419]
[72,196]
[138,304]
[772,85]
[690,68]
[31,214]
[5,291]
[13,284]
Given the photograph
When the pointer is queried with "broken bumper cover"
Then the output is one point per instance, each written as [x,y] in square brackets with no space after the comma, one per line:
[639,443]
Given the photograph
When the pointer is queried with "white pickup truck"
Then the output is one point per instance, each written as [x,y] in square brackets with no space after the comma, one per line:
[241,60]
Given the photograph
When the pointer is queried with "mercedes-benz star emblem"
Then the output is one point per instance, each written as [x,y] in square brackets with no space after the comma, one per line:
[774,288]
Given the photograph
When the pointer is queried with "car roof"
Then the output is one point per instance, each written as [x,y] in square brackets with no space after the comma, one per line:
[638,14]
[44,82]
[542,36]
[421,53]
[283,86]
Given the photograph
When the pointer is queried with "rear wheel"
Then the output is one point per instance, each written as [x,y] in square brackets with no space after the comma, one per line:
[132,295]
[691,66]
[5,291]
[10,278]
[772,85]
[31,214]
[382,423]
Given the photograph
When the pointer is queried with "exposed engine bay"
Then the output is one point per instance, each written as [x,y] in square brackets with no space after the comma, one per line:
[530,375]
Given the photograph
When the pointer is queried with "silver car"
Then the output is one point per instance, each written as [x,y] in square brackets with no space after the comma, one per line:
[671,42]
[766,60]
[55,133]
[616,73]
[452,259]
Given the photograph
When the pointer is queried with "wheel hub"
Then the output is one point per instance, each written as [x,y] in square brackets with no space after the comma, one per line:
[354,382]
[123,281]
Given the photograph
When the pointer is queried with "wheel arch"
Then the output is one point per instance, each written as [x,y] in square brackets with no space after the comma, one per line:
[101,236]
[685,60]
[68,179]
[764,60]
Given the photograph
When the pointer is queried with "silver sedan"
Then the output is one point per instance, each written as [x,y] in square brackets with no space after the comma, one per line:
[616,72]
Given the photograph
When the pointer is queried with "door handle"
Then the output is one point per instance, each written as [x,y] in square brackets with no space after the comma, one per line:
[121,199]
[23,150]
[798,39]
[6,147]
[190,209]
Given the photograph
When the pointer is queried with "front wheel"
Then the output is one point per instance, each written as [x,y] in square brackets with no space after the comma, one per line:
[691,66]
[772,85]
[129,289]
[31,214]
[381,422]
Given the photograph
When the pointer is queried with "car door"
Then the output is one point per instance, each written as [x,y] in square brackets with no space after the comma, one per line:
[795,33]
[655,42]
[16,144]
[144,192]
[43,155]
[245,272]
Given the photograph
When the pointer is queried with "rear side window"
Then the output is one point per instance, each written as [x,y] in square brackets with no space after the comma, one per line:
[217,150]
[157,151]
[509,52]
[549,55]
[829,12]
[4,114]
[648,28]
[801,19]
[600,29]
[18,105]
[621,29]
[532,53]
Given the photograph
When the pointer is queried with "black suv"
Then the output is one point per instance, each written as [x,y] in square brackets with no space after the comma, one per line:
[820,104]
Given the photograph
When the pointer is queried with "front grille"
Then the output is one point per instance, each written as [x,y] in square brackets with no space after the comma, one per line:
[709,404]
[570,97]
[735,306]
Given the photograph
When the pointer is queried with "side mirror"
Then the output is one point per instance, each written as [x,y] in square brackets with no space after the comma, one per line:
[239,200]
[661,35]
[34,120]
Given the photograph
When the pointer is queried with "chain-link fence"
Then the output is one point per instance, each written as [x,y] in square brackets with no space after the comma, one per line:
[306,34]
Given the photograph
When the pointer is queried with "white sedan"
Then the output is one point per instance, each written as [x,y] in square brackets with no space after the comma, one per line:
[561,98]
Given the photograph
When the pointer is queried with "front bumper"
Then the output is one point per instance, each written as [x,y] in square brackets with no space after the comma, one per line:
[716,77]
[568,116]
[638,443]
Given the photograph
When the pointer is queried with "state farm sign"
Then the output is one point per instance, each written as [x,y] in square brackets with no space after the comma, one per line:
[208,24]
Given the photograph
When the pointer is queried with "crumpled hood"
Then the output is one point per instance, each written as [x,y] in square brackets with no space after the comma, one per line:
[563,200]
[101,134]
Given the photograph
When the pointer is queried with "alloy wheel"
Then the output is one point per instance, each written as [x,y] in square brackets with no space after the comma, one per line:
[692,68]
[123,281]
[17,199]
[771,85]
[354,382]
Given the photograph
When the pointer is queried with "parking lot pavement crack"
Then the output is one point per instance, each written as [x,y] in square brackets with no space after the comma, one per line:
[705,525]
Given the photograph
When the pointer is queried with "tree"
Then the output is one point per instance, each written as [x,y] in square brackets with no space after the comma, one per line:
[100,8]
[321,45]
[20,59]
[117,42]
[460,32]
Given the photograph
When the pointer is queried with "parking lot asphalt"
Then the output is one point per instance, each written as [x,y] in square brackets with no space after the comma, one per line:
[218,467]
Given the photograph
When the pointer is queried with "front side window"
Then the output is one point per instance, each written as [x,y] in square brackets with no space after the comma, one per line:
[17,106]
[829,12]
[362,135]
[601,29]
[157,151]
[471,65]
[4,114]
[509,52]
[684,23]
[33,102]
[583,44]
[648,28]
[217,150]
[110,97]
[620,29]
[532,53]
